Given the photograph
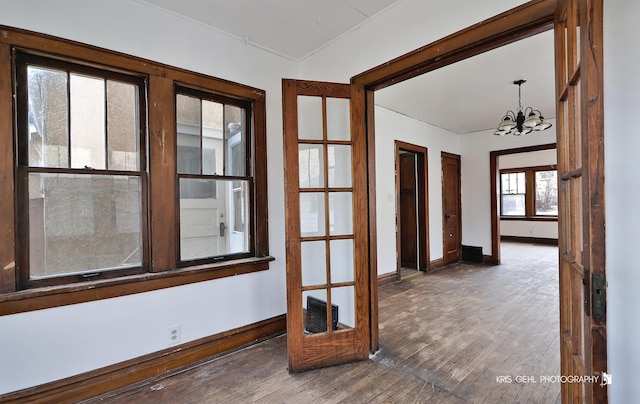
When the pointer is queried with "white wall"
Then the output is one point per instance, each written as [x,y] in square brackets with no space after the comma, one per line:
[528,159]
[391,126]
[476,193]
[528,228]
[46,345]
[622,165]
[524,228]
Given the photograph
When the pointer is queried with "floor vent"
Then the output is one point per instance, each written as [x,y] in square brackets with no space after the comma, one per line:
[472,254]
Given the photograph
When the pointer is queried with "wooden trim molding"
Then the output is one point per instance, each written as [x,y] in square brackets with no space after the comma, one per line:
[42,298]
[422,189]
[494,174]
[99,381]
[436,264]
[388,278]
[530,240]
[7,188]
[393,277]
[488,259]
[529,218]
[523,21]
[369,107]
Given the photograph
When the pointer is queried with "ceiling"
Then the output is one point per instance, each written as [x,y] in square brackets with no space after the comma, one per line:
[290,28]
[474,94]
[468,96]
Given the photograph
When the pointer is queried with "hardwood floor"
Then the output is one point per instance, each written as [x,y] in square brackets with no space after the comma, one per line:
[446,337]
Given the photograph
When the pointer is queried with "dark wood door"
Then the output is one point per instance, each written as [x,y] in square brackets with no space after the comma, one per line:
[407,213]
[451,208]
[581,221]
[327,247]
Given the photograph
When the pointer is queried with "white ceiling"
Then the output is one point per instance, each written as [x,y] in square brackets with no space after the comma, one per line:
[469,96]
[474,94]
[291,28]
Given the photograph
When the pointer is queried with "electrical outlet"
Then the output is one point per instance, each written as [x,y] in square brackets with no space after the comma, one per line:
[174,334]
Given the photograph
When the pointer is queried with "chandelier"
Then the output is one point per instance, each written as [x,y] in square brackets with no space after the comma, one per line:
[522,122]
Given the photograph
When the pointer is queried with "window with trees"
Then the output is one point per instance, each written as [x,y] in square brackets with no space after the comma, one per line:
[529,192]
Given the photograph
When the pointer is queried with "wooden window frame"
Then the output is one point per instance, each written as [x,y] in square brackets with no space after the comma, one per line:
[249,176]
[22,60]
[162,269]
[530,194]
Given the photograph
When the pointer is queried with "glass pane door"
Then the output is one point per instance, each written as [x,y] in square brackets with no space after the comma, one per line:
[324,271]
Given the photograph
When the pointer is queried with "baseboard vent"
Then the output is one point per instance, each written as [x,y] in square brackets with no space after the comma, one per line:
[472,254]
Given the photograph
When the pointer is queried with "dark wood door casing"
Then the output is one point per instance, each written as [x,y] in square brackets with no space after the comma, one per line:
[408,218]
[420,204]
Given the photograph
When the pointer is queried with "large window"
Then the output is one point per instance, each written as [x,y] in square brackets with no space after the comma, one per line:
[81,171]
[213,176]
[529,192]
[125,178]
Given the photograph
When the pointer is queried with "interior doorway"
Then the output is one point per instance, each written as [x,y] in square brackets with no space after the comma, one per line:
[412,207]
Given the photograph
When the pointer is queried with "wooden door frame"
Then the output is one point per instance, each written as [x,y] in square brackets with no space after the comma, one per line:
[457,157]
[422,191]
[513,25]
[494,172]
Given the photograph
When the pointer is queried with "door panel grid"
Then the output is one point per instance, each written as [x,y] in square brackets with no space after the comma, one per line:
[326,274]
[578,28]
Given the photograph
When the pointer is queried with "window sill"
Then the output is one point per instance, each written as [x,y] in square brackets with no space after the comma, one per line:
[531,218]
[55,296]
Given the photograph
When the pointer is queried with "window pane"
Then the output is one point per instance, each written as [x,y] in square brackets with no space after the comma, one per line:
[338,119]
[340,213]
[83,223]
[513,183]
[313,261]
[311,165]
[513,205]
[212,139]
[310,118]
[339,166]
[48,117]
[234,117]
[342,257]
[88,131]
[123,126]
[312,218]
[188,128]
[314,307]
[344,299]
[213,218]
[547,193]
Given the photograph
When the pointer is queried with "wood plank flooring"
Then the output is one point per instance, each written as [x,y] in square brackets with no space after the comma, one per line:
[445,337]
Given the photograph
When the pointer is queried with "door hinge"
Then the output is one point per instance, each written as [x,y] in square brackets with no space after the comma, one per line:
[599,296]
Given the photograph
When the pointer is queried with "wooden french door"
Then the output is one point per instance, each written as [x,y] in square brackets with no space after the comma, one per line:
[326,227]
[580,131]
[451,208]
